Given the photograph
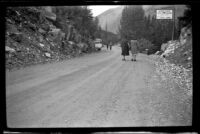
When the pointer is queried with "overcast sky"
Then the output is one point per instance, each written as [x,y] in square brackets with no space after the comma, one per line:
[96,10]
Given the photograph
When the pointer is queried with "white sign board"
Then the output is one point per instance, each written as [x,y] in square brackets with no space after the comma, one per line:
[164,14]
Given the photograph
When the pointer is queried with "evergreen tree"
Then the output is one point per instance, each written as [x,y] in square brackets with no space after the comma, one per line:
[80,17]
[132,22]
[186,19]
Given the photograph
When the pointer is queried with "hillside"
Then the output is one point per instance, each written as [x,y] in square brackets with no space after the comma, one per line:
[32,38]
[112,16]
[180,51]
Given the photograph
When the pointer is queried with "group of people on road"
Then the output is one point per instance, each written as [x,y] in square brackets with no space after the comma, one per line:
[127,46]
[109,46]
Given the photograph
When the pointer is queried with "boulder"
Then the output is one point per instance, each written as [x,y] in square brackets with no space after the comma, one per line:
[42,45]
[10,21]
[48,55]
[54,31]
[52,44]
[48,13]
[71,42]
[169,47]
[157,53]
[41,39]
[41,31]
[164,46]
[186,33]
[189,58]
[12,29]
[45,27]
[51,16]
[9,49]
[27,49]
[17,36]
[62,34]
[57,36]
[32,26]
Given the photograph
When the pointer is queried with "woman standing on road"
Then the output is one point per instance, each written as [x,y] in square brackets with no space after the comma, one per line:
[110,45]
[134,49]
[124,48]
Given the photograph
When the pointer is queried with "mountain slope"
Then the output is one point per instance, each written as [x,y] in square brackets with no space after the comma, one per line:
[112,16]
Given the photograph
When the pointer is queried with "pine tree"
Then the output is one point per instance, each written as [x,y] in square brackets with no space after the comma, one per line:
[80,17]
[186,19]
[132,22]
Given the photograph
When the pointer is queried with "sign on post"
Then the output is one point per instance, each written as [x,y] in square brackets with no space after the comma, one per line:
[167,14]
[164,14]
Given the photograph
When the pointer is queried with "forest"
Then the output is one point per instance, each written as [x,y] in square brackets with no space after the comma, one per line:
[151,32]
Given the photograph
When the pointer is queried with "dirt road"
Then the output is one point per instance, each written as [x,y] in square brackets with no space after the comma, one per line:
[96,90]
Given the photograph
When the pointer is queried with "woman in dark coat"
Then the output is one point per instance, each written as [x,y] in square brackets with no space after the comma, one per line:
[125,48]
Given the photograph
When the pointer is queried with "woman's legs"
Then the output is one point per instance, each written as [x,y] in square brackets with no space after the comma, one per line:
[123,57]
[133,57]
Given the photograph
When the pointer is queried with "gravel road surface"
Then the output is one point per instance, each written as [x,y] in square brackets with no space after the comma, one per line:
[96,90]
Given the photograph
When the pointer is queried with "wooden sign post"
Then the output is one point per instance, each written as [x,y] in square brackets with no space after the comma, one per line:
[167,14]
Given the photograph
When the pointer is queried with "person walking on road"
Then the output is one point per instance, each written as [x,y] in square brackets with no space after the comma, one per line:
[107,45]
[134,49]
[124,48]
[110,45]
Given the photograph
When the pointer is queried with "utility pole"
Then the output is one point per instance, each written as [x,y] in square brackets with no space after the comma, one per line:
[173,31]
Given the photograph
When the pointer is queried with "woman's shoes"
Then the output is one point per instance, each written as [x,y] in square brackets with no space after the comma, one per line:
[133,59]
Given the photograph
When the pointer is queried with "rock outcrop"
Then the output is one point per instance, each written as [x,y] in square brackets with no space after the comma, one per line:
[177,61]
[32,38]
[180,51]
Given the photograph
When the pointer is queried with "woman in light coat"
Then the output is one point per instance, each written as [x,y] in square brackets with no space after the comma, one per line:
[134,49]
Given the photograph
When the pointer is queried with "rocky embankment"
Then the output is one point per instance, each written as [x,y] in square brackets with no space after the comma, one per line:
[176,60]
[32,38]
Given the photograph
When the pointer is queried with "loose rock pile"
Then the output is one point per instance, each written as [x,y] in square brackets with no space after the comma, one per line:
[176,60]
[180,75]
[169,48]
